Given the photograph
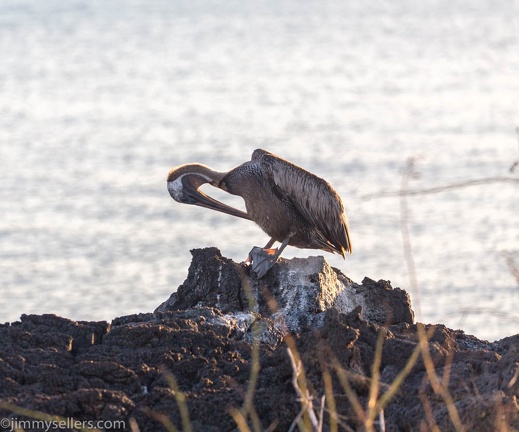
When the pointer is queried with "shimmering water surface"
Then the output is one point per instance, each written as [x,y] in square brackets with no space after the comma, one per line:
[98,100]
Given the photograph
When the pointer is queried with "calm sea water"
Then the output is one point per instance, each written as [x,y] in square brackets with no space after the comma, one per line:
[98,100]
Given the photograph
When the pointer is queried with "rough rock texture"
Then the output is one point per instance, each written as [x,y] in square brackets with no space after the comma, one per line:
[205,333]
[296,292]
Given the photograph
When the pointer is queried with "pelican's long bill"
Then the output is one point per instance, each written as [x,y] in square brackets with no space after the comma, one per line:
[203,200]
[190,194]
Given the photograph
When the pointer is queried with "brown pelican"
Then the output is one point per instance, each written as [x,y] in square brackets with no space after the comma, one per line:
[292,205]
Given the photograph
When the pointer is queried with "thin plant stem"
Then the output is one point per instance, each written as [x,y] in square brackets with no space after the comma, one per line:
[437,189]
[406,237]
[163,419]
[351,395]
[374,387]
[398,381]
[180,399]
[437,386]
[248,410]
[330,399]
[304,395]
[240,420]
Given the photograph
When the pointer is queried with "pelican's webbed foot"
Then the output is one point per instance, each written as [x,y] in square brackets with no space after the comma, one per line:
[262,260]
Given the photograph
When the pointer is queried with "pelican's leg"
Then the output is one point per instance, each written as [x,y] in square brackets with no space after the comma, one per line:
[264,259]
[284,244]
[269,244]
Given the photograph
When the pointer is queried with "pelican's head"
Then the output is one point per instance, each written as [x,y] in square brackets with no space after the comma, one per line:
[184,183]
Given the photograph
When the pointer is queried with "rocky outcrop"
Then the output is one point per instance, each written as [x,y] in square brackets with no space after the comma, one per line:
[205,334]
[296,293]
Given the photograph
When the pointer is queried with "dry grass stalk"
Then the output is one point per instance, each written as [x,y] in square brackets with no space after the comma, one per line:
[512,265]
[437,189]
[248,410]
[374,388]
[330,399]
[240,420]
[163,419]
[438,387]
[305,398]
[179,398]
[376,405]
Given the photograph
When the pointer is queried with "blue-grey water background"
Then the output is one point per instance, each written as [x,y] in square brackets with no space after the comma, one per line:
[99,99]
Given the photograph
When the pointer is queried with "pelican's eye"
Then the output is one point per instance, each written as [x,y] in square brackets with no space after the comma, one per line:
[222,186]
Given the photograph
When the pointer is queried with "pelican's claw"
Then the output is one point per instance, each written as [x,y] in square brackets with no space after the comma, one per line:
[262,260]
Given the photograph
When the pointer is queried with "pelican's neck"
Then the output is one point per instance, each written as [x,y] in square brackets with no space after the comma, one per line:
[206,174]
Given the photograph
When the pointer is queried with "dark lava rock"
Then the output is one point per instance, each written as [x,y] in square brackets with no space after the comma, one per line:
[208,334]
[295,292]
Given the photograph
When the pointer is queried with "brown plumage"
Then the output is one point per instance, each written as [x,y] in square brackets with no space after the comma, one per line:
[292,205]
